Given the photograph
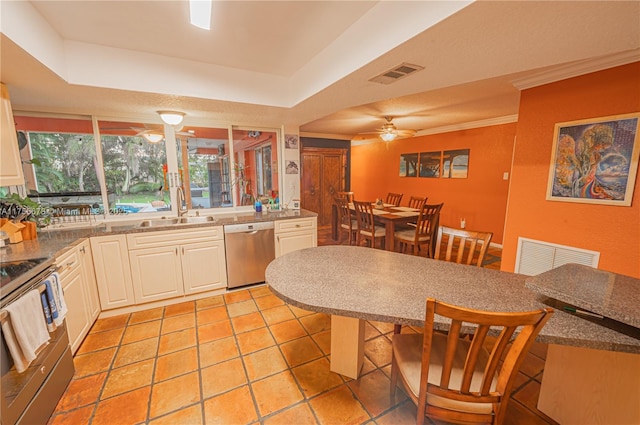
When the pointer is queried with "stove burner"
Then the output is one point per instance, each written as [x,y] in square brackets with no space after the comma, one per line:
[14,274]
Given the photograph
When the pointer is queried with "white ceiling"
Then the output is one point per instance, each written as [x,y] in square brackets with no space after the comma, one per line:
[305,63]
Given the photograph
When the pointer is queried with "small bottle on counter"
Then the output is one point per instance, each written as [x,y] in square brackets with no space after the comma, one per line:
[258,205]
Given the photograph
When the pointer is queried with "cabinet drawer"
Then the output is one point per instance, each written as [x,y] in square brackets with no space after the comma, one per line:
[283,226]
[172,237]
[67,263]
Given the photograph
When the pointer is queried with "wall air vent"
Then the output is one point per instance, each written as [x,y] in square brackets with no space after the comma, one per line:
[535,257]
[396,73]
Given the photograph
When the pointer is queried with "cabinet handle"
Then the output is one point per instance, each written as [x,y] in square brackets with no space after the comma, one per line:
[278,238]
[82,250]
[182,250]
[176,251]
[297,225]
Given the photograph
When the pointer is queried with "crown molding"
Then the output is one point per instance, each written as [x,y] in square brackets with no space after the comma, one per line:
[469,125]
[576,69]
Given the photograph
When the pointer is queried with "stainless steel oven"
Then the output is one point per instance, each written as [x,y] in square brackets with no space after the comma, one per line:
[30,397]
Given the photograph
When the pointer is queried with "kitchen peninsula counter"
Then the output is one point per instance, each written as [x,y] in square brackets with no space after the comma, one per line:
[55,241]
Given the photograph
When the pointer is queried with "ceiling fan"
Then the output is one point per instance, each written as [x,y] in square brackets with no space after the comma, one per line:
[387,132]
[152,133]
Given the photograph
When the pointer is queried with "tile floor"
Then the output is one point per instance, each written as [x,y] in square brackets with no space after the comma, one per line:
[245,357]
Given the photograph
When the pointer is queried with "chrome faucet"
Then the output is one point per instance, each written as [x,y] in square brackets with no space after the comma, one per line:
[182,205]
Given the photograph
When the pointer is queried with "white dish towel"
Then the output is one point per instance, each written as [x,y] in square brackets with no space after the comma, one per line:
[58,297]
[25,330]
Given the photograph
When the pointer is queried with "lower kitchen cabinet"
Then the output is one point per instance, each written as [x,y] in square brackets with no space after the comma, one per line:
[295,234]
[167,264]
[113,274]
[79,286]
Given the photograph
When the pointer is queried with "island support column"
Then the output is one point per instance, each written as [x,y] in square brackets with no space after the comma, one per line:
[347,346]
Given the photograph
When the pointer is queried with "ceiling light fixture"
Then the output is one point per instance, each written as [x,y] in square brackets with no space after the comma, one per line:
[387,137]
[389,131]
[153,137]
[171,117]
[200,13]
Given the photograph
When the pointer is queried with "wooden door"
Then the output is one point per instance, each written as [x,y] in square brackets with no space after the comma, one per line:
[323,174]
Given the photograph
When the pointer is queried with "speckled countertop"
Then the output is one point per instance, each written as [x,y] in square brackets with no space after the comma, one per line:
[609,294]
[386,286]
[51,243]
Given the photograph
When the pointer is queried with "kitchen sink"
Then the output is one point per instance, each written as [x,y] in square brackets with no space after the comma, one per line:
[193,220]
[159,222]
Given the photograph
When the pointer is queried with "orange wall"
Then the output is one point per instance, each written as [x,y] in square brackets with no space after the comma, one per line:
[614,231]
[481,198]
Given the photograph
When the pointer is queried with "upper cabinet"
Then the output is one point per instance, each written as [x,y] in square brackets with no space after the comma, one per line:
[10,163]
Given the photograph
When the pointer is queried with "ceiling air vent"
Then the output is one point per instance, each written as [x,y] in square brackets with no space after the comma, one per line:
[396,73]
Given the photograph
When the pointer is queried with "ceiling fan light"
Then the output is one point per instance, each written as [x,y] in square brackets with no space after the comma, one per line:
[171,117]
[200,13]
[152,137]
[387,137]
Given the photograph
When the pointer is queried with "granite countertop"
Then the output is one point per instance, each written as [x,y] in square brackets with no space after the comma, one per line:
[386,286]
[51,243]
[611,295]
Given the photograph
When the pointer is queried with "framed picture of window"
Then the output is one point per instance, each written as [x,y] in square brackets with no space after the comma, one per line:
[595,161]
[430,164]
[455,164]
[409,165]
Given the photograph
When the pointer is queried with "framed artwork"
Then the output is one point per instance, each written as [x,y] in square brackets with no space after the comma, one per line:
[430,163]
[455,164]
[291,141]
[409,165]
[595,161]
[292,167]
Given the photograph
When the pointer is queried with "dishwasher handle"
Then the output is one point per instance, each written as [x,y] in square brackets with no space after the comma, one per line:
[248,227]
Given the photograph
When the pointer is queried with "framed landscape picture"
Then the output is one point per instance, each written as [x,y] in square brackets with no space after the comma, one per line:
[409,165]
[430,164]
[455,164]
[595,161]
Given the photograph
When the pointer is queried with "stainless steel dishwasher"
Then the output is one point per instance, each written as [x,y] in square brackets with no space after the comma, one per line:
[250,248]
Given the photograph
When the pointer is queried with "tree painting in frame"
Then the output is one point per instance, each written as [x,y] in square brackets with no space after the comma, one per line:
[430,163]
[595,161]
[409,165]
[455,164]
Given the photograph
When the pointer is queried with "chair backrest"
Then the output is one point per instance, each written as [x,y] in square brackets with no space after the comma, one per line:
[364,215]
[344,213]
[480,370]
[462,246]
[417,202]
[348,195]
[394,199]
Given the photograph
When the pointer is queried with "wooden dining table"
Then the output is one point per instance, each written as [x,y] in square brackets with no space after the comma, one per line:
[389,216]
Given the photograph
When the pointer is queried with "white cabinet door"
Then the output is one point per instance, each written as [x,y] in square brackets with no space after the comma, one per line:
[113,274]
[77,319]
[89,275]
[293,241]
[156,273]
[10,163]
[203,266]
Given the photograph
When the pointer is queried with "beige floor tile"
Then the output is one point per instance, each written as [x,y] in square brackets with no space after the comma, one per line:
[258,339]
[174,394]
[110,323]
[191,415]
[136,351]
[382,327]
[209,302]
[241,307]
[276,392]
[129,408]
[338,406]
[370,331]
[146,315]
[237,296]
[101,340]
[215,330]
[286,331]
[223,377]
[176,363]
[93,362]
[268,301]
[81,392]
[404,414]
[218,351]
[323,339]
[378,350]
[217,411]
[247,322]
[316,322]
[77,416]
[178,323]
[264,363]
[177,341]
[214,314]
[141,331]
[373,392]
[277,314]
[128,378]
[298,414]
[260,291]
[315,377]
[299,312]
[299,351]
[180,308]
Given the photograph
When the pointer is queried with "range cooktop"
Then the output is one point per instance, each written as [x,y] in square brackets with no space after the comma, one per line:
[14,274]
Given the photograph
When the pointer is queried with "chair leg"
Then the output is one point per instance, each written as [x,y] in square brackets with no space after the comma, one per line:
[394,376]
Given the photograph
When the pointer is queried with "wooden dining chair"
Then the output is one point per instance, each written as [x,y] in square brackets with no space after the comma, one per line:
[394,199]
[346,220]
[417,202]
[348,195]
[423,234]
[462,246]
[367,229]
[458,380]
